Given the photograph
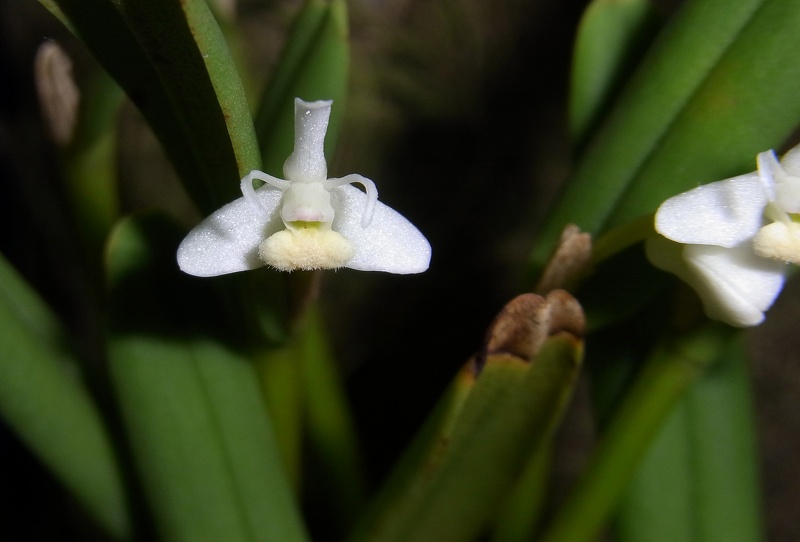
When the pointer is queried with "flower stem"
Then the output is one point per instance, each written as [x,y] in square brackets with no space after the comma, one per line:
[621,237]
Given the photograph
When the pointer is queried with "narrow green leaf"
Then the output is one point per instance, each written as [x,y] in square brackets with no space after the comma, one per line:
[723,438]
[426,451]
[314,66]
[682,71]
[172,61]
[749,102]
[331,429]
[671,368]
[609,33]
[280,375]
[517,399]
[665,471]
[520,517]
[699,481]
[488,449]
[90,163]
[191,403]
[45,401]
[308,407]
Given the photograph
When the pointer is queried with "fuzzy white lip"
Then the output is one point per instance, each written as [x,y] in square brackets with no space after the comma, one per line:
[380,238]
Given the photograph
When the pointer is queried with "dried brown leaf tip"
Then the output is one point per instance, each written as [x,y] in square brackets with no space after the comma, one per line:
[59,97]
[569,262]
[528,320]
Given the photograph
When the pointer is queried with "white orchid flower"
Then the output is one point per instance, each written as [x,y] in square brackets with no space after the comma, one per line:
[736,237]
[306,221]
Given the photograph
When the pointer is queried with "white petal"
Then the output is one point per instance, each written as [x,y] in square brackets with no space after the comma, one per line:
[227,241]
[667,255]
[786,186]
[390,243]
[735,285]
[791,161]
[723,213]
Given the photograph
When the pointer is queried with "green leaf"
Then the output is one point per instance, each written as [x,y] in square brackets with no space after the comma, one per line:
[172,61]
[699,480]
[427,449]
[672,367]
[46,402]
[485,439]
[720,85]
[610,31]
[191,402]
[665,470]
[90,163]
[314,65]
[280,375]
[520,517]
[330,426]
[306,399]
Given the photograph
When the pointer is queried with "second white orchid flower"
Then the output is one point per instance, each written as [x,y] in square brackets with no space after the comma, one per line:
[306,221]
[736,237]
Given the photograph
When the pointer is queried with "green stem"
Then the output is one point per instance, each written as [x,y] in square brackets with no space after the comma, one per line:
[662,381]
[621,237]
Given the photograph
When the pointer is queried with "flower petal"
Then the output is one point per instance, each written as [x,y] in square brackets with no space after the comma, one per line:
[390,243]
[791,161]
[785,186]
[723,213]
[735,285]
[228,240]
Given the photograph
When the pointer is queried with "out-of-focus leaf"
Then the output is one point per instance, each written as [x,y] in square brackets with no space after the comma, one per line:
[748,103]
[314,65]
[665,470]
[699,481]
[309,411]
[721,84]
[330,427]
[608,35]
[191,404]
[45,401]
[280,374]
[172,61]
[672,367]
[519,519]
[90,162]
[427,449]
[527,372]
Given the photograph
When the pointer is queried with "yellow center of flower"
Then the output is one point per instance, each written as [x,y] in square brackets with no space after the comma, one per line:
[779,240]
[306,245]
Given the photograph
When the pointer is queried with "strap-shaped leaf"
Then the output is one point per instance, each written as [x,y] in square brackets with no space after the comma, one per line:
[44,400]
[609,34]
[671,368]
[171,59]
[721,84]
[331,429]
[482,439]
[192,405]
[699,480]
